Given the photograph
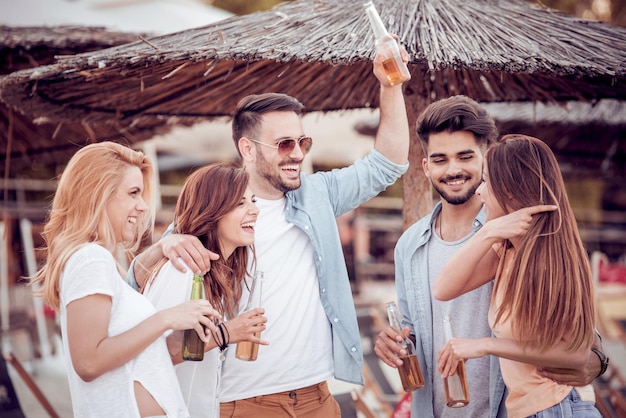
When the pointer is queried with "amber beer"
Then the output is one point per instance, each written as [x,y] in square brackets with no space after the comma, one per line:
[394,74]
[395,68]
[410,371]
[455,386]
[247,350]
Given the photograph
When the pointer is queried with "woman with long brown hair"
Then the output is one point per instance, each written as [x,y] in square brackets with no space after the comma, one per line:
[215,205]
[542,306]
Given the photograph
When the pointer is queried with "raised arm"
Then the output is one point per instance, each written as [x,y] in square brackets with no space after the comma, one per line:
[392,138]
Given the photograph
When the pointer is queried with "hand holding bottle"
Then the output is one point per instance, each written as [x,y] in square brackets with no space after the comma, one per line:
[193,314]
[409,370]
[247,326]
[388,346]
[452,368]
[390,63]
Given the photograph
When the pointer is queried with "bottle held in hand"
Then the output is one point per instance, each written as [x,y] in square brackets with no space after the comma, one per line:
[193,346]
[410,371]
[247,350]
[455,386]
[395,68]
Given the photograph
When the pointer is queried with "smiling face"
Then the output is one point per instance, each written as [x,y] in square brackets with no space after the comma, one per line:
[454,164]
[272,175]
[127,205]
[236,228]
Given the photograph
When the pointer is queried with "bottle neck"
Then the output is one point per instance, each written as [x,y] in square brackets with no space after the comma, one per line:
[375,21]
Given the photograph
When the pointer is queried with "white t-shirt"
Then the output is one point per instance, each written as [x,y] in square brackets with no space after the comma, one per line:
[199,380]
[299,353]
[92,270]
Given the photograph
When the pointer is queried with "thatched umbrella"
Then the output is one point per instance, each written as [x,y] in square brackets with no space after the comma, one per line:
[321,51]
[51,141]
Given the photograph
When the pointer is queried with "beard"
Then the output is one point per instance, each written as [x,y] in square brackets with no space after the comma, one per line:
[272,176]
[456,199]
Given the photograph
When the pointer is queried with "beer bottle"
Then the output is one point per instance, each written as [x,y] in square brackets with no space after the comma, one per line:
[455,386]
[247,350]
[396,70]
[410,371]
[193,346]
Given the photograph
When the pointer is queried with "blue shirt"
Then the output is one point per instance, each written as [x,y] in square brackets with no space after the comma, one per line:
[411,266]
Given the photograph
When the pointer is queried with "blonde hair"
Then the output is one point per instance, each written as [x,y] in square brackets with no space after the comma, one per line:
[549,292]
[78,215]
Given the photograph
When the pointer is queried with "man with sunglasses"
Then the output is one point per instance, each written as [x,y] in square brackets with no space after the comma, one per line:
[311,322]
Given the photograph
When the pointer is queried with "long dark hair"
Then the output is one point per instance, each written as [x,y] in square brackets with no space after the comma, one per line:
[208,194]
[549,292]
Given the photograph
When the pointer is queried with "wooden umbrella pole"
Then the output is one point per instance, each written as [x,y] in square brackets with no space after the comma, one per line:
[31,384]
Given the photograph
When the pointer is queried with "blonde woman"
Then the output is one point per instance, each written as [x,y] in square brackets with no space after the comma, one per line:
[117,359]
[542,309]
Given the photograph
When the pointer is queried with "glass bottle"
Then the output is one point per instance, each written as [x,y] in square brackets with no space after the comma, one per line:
[410,371]
[247,350]
[455,386]
[193,346]
[396,69]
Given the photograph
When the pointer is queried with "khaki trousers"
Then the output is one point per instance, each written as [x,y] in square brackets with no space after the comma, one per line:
[313,401]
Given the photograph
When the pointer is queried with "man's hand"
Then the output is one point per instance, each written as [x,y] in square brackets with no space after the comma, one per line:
[190,250]
[379,71]
[573,377]
[388,347]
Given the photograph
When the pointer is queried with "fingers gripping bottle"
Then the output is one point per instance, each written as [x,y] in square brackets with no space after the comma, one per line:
[455,386]
[193,346]
[247,350]
[410,371]
[395,68]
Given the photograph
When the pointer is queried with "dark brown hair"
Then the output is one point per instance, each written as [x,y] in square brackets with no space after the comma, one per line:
[457,113]
[208,194]
[250,109]
[549,292]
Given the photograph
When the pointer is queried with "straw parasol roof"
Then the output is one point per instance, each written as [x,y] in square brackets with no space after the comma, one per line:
[321,50]
[44,140]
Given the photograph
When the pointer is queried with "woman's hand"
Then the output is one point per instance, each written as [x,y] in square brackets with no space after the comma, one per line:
[246,326]
[515,224]
[459,349]
[194,314]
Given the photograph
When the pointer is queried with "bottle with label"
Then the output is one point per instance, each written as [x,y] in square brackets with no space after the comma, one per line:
[396,69]
[455,386]
[410,371]
[247,350]
[193,346]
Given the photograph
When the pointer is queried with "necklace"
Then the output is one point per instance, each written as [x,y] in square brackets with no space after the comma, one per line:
[441,226]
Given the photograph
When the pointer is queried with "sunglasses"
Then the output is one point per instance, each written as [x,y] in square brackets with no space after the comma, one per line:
[286,146]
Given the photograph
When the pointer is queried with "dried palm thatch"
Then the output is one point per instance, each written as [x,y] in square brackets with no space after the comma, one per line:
[321,51]
[42,140]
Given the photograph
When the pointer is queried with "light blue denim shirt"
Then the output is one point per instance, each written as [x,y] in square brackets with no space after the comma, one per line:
[411,266]
[313,208]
